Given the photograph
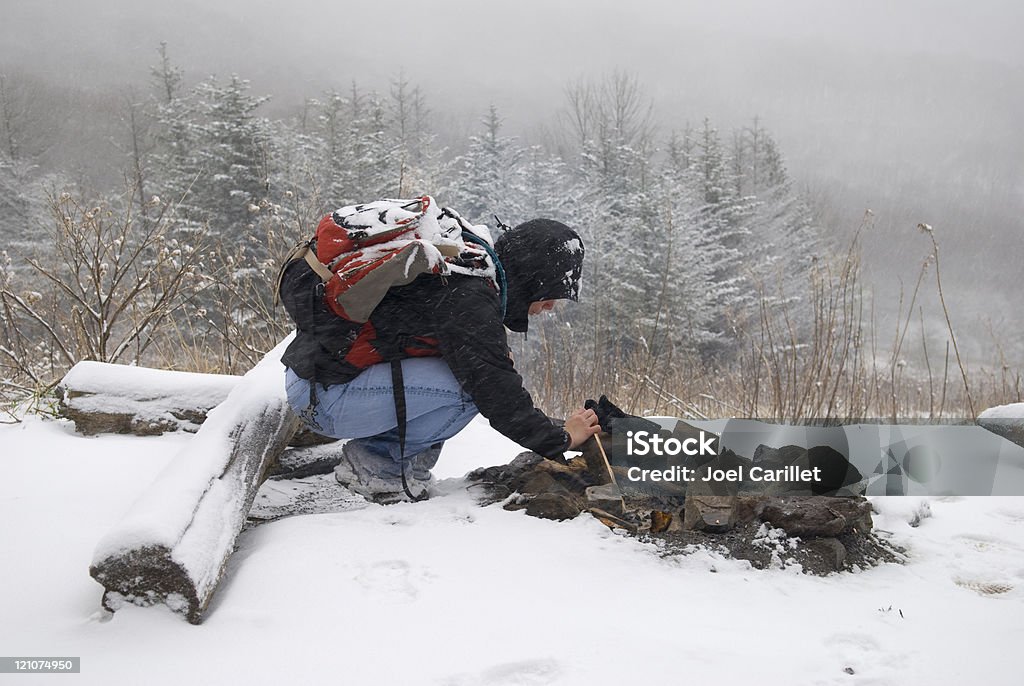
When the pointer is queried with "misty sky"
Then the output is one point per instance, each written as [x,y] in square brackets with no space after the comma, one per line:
[820,73]
[912,108]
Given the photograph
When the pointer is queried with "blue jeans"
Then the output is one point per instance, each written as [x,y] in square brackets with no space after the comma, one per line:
[436,407]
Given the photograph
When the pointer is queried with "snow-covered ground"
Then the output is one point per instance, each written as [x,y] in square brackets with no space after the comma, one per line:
[446,592]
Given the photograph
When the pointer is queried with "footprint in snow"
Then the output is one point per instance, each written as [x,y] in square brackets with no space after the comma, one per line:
[392,581]
[985,543]
[984,587]
[987,564]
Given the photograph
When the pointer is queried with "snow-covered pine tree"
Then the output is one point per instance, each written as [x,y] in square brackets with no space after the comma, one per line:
[722,217]
[332,130]
[489,179]
[167,77]
[377,157]
[212,150]
[418,164]
[611,124]
[690,317]
[21,197]
[173,171]
[548,190]
[232,155]
[783,240]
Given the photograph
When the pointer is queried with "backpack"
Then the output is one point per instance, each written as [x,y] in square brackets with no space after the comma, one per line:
[359,252]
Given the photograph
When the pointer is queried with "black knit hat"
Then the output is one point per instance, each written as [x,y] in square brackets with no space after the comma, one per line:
[543,260]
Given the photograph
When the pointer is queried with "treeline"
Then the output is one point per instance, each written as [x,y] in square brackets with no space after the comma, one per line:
[690,233]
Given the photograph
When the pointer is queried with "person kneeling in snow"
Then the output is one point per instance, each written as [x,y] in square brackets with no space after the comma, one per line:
[448,331]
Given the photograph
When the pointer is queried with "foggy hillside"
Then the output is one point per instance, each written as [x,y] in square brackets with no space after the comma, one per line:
[912,110]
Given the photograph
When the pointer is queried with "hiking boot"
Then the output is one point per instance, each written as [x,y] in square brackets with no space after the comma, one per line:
[370,475]
[424,461]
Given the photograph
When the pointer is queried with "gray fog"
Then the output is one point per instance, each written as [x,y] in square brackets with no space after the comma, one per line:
[911,109]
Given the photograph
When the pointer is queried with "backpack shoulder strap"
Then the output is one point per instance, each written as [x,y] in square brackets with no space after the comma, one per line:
[303,250]
[319,267]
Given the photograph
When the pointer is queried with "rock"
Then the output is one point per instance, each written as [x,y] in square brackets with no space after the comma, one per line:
[552,506]
[1006,421]
[505,473]
[550,489]
[304,438]
[711,513]
[829,550]
[711,505]
[299,463]
[748,508]
[799,516]
[598,460]
[817,515]
[837,474]
[772,460]
[605,497]
[572,474]
[769,457]
[716,477]
[523,460]
[615,444]
[638,492]
[683,431]
[619,456]
[537,483]
[560,489]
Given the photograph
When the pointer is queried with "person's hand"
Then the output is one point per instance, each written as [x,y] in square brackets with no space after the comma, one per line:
[581,425]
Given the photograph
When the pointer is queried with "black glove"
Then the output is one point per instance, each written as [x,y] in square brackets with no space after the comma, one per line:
[608,416]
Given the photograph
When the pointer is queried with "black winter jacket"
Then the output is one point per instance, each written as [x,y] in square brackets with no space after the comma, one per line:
[458,318]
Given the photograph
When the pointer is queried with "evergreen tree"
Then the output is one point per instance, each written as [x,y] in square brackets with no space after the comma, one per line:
[232,155]
[23,187]
[213,151]
[408,114]
[722,219]
[175,136]
[618,214]
[547,188]
[489,178]
[784,233]
[376,153]
[333,132]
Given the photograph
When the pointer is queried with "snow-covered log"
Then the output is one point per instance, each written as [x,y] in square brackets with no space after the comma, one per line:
[116,398]
[173,544]
[1006,421]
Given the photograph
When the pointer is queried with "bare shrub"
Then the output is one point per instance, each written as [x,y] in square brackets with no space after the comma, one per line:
[102,285]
